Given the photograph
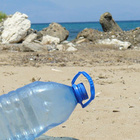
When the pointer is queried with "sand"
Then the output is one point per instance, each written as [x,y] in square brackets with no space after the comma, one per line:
[114,114]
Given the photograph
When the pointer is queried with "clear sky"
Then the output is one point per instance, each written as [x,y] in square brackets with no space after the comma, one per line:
[46,11]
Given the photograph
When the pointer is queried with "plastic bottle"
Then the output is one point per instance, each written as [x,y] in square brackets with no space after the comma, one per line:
[29,111]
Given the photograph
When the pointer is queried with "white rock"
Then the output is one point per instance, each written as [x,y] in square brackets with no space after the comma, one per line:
[71,44]
[81,37]
[119,43]
[15,28]
[65,42]
[60,47]
[30,38]
[71,49]
[49,40]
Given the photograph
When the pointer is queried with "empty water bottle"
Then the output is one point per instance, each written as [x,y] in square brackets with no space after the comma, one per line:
[29,111]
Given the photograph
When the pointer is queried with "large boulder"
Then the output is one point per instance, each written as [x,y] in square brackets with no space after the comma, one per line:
[15,28]
[108,23]
[56,30]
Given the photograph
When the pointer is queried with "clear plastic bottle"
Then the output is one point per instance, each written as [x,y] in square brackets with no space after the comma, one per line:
[30,111]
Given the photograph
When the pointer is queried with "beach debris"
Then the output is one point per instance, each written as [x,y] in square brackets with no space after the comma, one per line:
[81,41]
[115,111]
[130,106]
[53,69]
[63,126]
[97,94]
[15,28]
[35,79]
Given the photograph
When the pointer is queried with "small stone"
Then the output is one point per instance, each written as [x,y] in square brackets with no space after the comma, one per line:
[60,47]
[71,49]
[116,111]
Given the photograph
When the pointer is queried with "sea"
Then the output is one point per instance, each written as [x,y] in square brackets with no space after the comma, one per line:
[75,27]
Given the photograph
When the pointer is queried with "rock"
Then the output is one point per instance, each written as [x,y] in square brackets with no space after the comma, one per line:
[33,47]
[116,42]
[43,137]
[71,49]
[50,40]
[30,38]
[56,30]
[1,27]
[108,24]
[30,31]
[51,47]
[70,44]
[65,42]
[60,47]
[24,47]
[39,36]
[15,28]
[90,34]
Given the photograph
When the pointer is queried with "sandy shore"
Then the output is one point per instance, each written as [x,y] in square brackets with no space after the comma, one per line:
[113,115]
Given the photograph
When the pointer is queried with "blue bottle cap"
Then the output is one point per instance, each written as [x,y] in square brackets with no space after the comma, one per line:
[80,91]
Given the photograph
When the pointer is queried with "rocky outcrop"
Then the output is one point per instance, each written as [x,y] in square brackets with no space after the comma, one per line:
[132,36]
[15,28]
[17,34]
[108,23]
[56,30]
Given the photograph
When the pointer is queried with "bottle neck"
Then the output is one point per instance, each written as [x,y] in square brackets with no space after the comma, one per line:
[80,92]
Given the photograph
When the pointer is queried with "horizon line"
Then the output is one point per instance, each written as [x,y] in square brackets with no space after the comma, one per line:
[83,21]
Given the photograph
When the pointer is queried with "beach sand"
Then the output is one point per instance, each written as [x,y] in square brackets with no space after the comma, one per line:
[114,114]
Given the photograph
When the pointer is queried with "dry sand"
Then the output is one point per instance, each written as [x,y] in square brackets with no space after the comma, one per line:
[115,112]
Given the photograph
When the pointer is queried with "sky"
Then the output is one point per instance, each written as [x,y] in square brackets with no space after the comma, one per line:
[47,11]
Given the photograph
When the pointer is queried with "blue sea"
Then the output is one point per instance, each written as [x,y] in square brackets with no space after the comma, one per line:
[75,27]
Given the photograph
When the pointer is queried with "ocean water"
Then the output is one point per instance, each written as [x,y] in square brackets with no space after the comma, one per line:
[75,27]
